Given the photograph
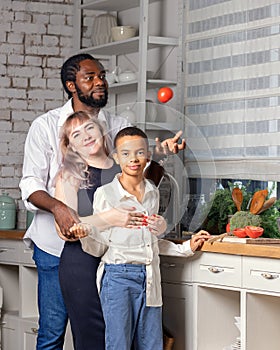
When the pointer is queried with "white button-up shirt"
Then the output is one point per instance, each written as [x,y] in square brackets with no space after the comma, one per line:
[119,245]
[42,160]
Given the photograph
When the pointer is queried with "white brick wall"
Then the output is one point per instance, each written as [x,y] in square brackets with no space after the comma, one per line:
[35,39]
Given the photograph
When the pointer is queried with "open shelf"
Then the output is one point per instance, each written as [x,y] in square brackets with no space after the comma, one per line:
[111,5]
[128,46]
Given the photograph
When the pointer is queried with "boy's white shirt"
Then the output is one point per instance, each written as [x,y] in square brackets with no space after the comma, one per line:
[119,245]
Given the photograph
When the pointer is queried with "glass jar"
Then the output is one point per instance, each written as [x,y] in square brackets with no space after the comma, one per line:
[7,212]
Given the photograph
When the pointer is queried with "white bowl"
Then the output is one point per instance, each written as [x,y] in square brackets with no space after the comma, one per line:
[126,76]
[122,32]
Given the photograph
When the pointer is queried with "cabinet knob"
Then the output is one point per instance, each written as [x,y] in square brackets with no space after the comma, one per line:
[3,250]
[167,265]
[215,269]
[34,330]
[269,276]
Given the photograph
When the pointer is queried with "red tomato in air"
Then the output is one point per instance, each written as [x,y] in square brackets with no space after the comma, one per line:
[165,94]
[228,227]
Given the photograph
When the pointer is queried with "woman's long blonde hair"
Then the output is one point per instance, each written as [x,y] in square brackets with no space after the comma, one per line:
[73,164]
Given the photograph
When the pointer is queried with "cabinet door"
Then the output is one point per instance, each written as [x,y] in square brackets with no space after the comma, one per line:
[177,313]
[29,330]
[10,335]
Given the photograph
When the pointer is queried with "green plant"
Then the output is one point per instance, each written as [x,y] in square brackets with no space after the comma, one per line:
[269,221]
[244,218]
[217,211]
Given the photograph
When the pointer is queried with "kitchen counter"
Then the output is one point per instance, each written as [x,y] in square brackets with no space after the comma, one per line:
[258,250]
[12,234]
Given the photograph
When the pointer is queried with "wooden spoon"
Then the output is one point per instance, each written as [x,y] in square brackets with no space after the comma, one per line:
[237,197]
[258,200]
[267,204]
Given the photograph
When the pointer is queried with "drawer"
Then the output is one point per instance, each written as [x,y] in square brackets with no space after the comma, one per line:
[10,250]
[261,274]
[175,269]
[26,254]
[219,269]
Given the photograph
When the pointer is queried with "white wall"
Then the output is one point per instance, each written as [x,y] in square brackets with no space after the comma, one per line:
[35,39]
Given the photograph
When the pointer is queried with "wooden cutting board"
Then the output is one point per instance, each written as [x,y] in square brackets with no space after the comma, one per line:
[246,240]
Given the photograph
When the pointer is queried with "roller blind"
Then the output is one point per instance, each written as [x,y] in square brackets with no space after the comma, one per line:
[232,102]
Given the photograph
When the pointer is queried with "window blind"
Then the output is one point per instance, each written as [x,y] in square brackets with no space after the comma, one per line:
[232,101]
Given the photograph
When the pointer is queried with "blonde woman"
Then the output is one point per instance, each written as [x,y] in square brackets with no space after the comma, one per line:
[86,166]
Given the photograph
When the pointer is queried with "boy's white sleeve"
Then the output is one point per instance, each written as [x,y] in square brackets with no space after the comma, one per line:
[169,248]
[96,243]
[93,246]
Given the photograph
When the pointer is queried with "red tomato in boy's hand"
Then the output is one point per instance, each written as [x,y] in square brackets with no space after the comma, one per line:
[165,94]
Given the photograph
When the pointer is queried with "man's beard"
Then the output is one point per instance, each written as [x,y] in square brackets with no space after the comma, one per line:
[91,101]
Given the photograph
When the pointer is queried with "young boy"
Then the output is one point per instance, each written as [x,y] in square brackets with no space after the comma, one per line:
[130,288]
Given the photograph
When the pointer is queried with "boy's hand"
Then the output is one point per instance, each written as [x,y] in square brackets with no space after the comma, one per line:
[198,239]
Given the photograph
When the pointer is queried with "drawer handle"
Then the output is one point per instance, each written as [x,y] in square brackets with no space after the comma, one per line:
[269,276]
[2,324]
[34,330]
[167,265]
[3,250]
[215,269]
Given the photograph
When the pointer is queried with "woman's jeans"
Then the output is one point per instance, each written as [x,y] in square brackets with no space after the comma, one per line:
[52,312]
[128,320]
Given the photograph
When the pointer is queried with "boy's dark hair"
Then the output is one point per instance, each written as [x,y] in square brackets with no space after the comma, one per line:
[70,68]
[131,131]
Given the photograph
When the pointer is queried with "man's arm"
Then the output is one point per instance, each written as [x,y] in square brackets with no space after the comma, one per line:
[64,216]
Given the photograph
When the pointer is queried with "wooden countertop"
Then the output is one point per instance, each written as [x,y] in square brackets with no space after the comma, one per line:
[260,250]
[12,234]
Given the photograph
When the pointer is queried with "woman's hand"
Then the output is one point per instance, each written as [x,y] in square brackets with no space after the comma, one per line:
[198,239]
[156,224]
[122,217]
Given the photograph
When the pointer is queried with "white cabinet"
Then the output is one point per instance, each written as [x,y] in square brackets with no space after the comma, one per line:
[176,274]
[177,313]
[141,46]
[28,333]
[18,278]
[204,294]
